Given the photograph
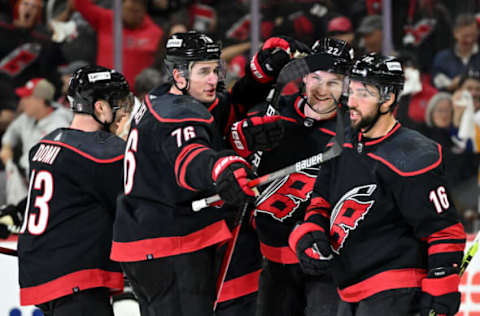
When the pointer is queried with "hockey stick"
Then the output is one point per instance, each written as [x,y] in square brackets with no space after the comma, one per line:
[300,66]
[8,251]
[293,70]
[320,158]
[229,253]
[465,261]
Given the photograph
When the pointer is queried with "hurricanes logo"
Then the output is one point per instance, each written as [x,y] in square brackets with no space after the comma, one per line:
[282,197]
[348,212]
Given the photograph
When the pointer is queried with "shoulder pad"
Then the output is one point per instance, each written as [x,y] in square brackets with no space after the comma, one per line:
[169,108]
[98,146]
[408,153]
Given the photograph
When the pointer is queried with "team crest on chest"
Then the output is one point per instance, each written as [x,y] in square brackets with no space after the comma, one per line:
[283,197]
[352,207]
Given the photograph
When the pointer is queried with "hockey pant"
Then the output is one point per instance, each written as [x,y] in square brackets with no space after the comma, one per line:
[89,302]
[181,285]
[285,290]
[240,306]
[399,302]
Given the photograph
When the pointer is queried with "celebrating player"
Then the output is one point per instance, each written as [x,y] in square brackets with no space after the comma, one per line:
[284,289]
[176,154]
[75,177]
[380,217]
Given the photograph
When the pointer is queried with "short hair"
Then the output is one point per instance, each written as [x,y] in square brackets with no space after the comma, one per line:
[142,2]
[148,79]
[464,19]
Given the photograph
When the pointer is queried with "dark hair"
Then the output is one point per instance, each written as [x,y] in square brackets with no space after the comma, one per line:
[148,79]
[142,2]
[465,19]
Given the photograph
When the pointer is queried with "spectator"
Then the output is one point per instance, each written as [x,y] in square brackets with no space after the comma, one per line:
[467,103]
[371,32]
[416,93]
[460,166]
[66,72]
[341,28]
[40,116]
[141,36]
[8,104]
[26,50]
[427,30]
[449,64]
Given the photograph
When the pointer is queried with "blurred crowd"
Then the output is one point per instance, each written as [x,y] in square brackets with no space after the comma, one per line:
[43,42]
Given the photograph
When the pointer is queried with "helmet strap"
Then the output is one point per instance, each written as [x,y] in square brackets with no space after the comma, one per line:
[183,90]
[330,110]
[105,125]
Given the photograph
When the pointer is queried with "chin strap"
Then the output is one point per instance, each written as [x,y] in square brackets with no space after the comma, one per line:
[106,126]
[183,90]
[332,109]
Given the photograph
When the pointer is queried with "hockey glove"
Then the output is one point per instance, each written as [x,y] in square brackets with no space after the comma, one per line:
[256,133]
[10,216]
[231,174]
[312,247]
[275,53]
[440,292]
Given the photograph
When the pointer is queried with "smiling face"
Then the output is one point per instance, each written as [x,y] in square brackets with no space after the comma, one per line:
[203,80]
[320,86]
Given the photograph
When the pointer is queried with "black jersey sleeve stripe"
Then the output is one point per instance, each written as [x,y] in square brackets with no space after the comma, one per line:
[181,174]
[184,153]
[455,231]
[409,173]
[82,153]
[450,239]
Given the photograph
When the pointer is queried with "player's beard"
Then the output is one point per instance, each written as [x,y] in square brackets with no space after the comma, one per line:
[365,122]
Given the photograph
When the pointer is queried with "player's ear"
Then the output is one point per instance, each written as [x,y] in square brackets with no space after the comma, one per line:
[179,78]
[388,102]
[99,107]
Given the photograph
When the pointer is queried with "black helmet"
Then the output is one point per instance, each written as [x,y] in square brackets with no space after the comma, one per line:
[91,83]
[182,48]
[384,72]
[334,55]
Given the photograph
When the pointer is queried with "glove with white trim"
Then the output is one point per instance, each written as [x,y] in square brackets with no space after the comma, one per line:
[231,175]
[312,246]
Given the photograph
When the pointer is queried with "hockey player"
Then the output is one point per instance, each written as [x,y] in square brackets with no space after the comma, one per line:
[284,289]
[380,216]
[176,154]
[75,177]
